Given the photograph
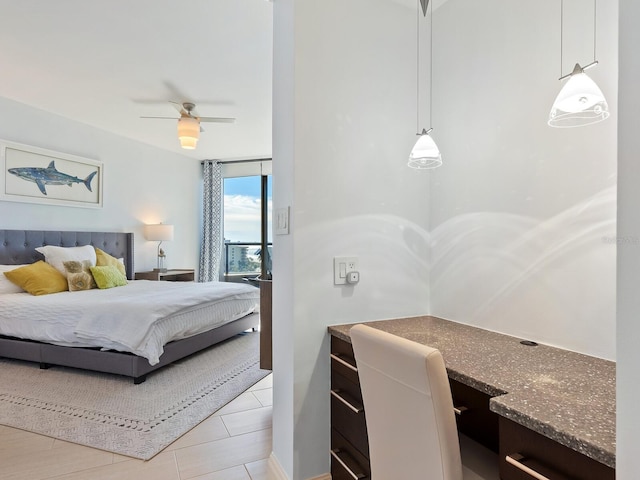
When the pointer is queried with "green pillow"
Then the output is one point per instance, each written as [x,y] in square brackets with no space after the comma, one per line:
[108,276]
[39,278]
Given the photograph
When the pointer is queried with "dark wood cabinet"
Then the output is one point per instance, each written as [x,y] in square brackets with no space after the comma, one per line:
[266,324]
[473,416]
[523,451]
[349,441]
[347,462]
[175,275]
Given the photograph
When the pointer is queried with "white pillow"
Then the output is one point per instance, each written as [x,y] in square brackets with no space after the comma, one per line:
[6,285]
[56,256]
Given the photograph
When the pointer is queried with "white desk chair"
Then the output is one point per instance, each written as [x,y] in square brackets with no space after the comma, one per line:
[409,412]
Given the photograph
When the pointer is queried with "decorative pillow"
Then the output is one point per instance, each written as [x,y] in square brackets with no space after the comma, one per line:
[108,276]
[104,259]
[39,278]
[79,275]
[56,256]
[6,286]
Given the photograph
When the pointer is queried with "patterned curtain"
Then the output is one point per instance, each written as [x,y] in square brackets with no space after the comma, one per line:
[211,245]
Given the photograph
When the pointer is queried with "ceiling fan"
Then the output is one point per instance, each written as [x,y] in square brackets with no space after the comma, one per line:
[189,123]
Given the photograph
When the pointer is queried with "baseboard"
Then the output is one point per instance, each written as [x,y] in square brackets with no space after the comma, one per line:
[275,469]
[277,472]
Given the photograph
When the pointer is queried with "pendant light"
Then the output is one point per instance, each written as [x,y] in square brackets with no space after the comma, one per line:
[580,102]
[425,153]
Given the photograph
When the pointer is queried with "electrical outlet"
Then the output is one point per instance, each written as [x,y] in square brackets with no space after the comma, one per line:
[342,266]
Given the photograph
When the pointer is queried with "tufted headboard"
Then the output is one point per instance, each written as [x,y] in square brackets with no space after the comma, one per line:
[18,246]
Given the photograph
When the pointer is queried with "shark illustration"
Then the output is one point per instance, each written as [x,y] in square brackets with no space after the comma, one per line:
[50,176]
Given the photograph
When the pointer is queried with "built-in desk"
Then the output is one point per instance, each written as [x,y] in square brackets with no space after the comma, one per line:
[552,403]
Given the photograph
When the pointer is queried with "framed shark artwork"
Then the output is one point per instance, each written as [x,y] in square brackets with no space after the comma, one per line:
[37,175]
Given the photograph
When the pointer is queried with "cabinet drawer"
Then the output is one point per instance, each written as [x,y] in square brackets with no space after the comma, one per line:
[475,419]
[346,462]
[347,413]
[342,359]
[545,456]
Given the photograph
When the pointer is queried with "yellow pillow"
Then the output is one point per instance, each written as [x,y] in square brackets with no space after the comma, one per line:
[108,276]
[39,278]
[104,259]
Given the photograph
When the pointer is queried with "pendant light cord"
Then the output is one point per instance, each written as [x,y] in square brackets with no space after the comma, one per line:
[595,6]
[431,72]
[418,68]
[561,32]
[595,26]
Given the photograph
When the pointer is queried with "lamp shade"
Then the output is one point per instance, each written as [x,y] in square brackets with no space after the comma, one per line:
[188,132]
[580,102]
[158,233]
[425,153]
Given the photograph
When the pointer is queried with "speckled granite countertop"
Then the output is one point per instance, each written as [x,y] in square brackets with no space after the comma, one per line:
[566,396]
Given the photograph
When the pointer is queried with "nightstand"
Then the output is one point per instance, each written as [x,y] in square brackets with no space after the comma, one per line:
[172,275]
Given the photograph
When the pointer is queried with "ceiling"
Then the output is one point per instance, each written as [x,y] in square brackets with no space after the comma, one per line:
[106,63]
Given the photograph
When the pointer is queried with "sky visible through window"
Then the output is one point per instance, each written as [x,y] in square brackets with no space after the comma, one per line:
[242,209]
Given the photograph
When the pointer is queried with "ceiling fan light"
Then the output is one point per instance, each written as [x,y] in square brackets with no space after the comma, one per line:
[188,132]
[580,102]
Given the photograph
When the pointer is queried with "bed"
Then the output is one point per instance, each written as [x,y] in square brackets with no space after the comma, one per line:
[18,247]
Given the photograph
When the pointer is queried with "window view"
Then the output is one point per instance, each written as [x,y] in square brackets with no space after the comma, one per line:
[243,226]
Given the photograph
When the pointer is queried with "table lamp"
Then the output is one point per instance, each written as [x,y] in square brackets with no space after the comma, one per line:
[159,233]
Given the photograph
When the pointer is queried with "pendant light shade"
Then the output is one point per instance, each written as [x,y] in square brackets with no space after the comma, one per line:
[580,102]
[425,153]
[188,132]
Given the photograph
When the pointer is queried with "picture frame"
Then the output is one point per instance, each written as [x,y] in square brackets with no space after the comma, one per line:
[31,174]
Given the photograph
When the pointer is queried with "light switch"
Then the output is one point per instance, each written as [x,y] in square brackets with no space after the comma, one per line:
[281,221]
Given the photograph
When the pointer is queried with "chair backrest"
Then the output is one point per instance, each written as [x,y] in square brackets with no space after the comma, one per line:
[408,408]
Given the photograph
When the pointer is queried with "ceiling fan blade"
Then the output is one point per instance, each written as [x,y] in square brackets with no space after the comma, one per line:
[179,107]
[217,119]
[163,118]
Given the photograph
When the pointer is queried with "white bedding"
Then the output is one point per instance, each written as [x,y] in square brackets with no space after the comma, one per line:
[140,317]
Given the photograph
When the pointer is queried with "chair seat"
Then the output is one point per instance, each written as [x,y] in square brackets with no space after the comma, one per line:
[478,462]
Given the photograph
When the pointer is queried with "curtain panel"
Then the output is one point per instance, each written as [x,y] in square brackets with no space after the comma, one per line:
[211,244]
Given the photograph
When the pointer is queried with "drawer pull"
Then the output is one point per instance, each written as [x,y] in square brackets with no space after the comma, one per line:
[336,394]
[515,460]
[459,410]
[343,362]
[355,476]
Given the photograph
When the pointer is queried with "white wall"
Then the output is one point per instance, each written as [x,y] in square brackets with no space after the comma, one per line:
[142,185]
[341,140]
[522,214]
[628,387]
[283,245]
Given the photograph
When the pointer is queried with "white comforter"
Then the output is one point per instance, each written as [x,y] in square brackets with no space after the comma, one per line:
[140,317]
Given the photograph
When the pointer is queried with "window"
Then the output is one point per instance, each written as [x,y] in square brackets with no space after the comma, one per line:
[247,226]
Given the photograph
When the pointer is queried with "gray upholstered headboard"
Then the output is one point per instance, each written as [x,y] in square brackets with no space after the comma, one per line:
[18,246]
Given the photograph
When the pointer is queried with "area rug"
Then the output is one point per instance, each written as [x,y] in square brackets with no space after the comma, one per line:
[109,412]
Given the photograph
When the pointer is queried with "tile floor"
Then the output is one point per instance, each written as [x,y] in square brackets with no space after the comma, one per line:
[232,444]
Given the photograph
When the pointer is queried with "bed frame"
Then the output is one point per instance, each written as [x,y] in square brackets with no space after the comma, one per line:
[18,247]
